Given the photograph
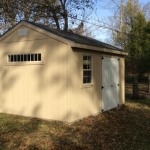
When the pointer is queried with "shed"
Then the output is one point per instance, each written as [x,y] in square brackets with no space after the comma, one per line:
[53,74]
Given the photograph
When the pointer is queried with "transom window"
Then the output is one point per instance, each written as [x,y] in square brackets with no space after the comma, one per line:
[87,69]
[24,57]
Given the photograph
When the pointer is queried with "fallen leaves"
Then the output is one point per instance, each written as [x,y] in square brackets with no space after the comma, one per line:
[124,128]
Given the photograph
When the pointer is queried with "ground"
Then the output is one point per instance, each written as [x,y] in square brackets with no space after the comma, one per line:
[125,128]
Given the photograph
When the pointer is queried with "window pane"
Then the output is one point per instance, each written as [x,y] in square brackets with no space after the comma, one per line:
[12,58]
[85,66]
[89,66]
[28,57]
[85,62]
[89,79]
[25,58]
[32,57]
[19,58]
[87,69]
[86,79]
[35,57]
[15,59]
[89,59]
[39,57]
[84,57]
[87,73]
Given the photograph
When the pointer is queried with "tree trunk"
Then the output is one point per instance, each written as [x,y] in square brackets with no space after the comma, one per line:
[135,87]
[66,22]
[121,22]
[56,21]
[64,14]
[148,82]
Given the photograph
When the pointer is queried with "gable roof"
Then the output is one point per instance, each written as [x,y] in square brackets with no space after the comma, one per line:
[80,41]
[75,37]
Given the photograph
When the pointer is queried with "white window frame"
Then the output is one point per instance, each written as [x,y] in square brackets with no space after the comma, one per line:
[28,57]
[21,61]
[91,70]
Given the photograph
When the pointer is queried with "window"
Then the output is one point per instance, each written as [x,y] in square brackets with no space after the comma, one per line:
[24,57]
[87,69]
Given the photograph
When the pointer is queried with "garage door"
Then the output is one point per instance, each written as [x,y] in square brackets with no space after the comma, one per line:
[110,83]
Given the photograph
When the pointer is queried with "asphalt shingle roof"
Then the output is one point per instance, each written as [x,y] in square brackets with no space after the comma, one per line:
[75,37]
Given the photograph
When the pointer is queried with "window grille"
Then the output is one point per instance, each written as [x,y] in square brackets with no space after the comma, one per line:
[87,69]
[25,57]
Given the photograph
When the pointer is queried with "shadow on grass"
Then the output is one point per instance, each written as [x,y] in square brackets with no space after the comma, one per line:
[124,128]
[144,102]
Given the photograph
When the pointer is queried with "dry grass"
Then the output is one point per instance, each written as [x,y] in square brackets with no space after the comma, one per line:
[141,86]
[118,129]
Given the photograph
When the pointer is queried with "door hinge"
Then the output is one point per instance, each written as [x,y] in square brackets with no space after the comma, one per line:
[102,58]
[118,59]
[102,87]
[118,84]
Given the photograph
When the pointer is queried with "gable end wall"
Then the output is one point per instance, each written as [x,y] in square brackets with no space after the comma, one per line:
[31,89]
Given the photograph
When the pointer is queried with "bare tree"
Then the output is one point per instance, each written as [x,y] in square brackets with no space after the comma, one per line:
[8,13]
[60,14]
[146,10]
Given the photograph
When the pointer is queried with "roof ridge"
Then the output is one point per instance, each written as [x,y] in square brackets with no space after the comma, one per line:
[76,38]
[90,38]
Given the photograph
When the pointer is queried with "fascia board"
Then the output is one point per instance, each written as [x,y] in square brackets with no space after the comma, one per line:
[10,31]
[94,48]
[40,30]
[61,39]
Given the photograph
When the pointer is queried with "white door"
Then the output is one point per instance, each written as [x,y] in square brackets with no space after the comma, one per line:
[110,83]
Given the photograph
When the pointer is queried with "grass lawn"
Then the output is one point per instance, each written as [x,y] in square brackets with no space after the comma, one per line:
[126,128]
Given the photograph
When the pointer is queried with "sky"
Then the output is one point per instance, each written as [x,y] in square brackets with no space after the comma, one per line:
[102,6]
[102,13]
[144,1]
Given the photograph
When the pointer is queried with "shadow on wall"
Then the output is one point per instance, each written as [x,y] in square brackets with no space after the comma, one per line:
[49,88]
[17,86]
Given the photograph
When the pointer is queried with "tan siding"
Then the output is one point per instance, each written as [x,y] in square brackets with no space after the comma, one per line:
[76,94]
[57,74]
[85,101]
[69,83]
[91,96]
[31,35]
[36,90]
[122,81]
[52,89]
